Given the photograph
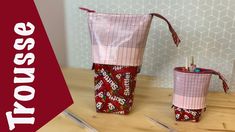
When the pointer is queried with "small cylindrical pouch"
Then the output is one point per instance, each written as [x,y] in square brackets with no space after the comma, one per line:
[118,43]
[190,90]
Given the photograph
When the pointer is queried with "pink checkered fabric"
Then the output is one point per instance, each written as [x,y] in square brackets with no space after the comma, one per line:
[190,89]
[118,39]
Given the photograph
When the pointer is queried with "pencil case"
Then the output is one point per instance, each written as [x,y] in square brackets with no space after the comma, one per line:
[118,43]
[190,91]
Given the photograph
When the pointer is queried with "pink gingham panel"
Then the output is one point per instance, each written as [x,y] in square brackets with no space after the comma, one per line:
[190,90]
[118,39]
[126,56]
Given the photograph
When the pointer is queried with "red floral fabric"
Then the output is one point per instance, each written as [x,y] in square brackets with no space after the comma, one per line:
[114,88]
[187,114]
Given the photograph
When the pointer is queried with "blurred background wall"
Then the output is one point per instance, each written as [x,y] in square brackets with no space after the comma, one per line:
[53,18]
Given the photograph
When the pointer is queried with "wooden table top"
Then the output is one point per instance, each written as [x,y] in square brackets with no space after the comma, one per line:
[149,100]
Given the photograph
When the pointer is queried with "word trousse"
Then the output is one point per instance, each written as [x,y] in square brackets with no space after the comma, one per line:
[24,91]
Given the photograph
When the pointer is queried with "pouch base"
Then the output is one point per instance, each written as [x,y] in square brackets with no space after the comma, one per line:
[182,114]
[114,88]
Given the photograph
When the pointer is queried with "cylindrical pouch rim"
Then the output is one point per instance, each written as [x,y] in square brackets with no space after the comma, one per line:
[200,77]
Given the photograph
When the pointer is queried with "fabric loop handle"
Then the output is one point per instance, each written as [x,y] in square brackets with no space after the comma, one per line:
[221,77]
[86,9]
[174,34]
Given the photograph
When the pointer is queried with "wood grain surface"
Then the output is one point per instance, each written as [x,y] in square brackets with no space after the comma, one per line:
[149,100]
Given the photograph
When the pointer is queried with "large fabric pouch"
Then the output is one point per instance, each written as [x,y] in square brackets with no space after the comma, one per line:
[118,43]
